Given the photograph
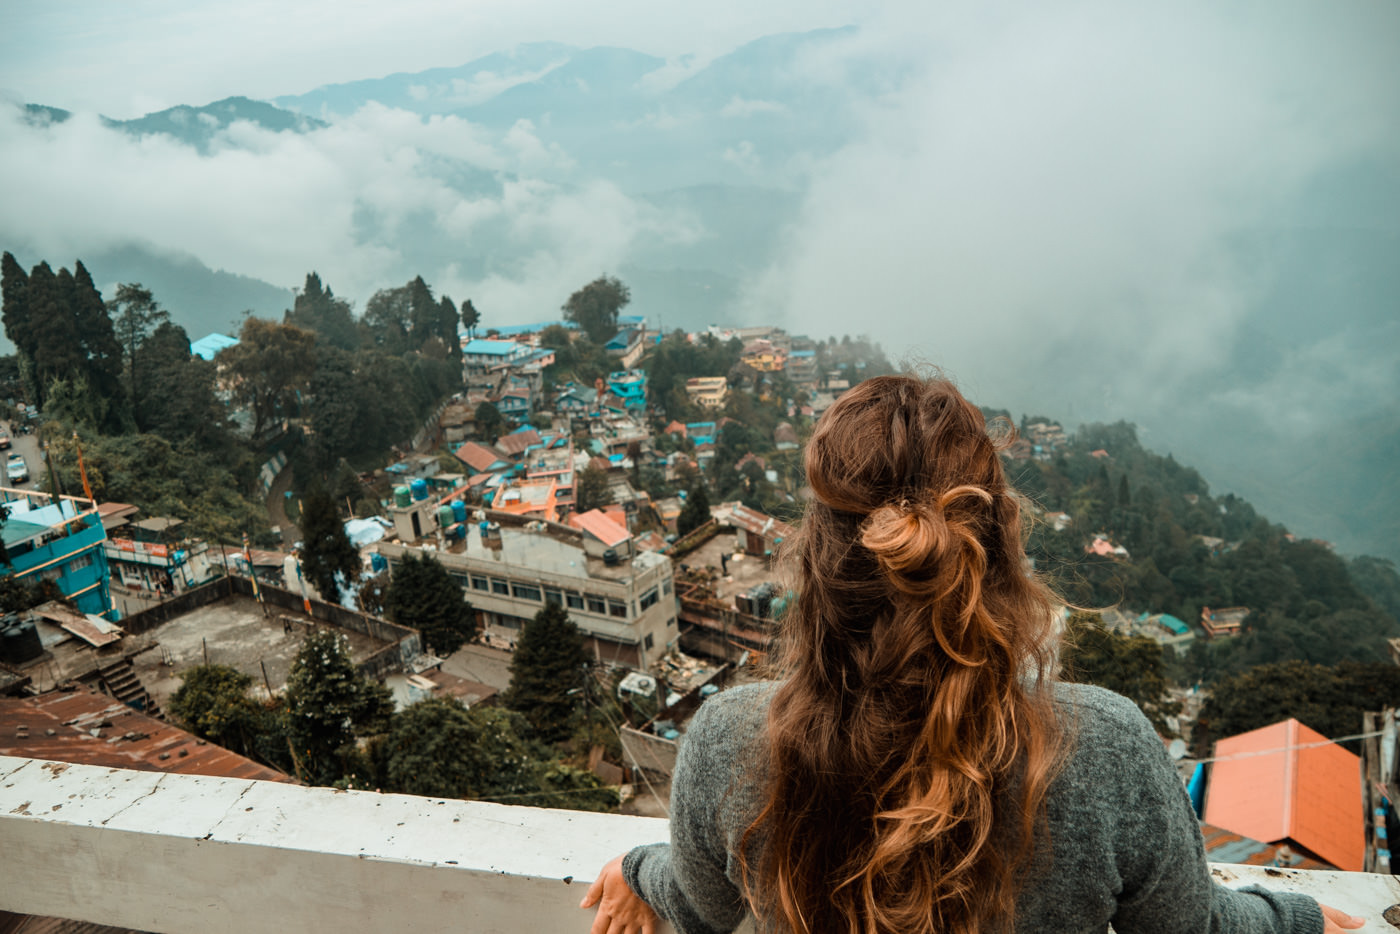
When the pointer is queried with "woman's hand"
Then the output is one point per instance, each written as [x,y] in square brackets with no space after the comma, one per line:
[1334,920]
[620,911]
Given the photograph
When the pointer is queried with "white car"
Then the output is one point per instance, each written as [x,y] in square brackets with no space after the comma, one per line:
[16,469]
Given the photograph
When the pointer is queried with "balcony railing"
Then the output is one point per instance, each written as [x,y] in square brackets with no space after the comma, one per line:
[181,853]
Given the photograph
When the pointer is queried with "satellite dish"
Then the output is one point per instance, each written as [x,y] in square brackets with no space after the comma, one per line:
[1176,748]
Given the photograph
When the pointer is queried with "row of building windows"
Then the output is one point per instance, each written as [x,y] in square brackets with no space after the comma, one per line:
[567,598]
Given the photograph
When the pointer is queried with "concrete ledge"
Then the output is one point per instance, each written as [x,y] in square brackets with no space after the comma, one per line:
[180,853]
[184,854]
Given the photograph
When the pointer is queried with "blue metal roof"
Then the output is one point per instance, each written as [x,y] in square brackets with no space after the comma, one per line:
[514,330]
[495,348]
[210,344]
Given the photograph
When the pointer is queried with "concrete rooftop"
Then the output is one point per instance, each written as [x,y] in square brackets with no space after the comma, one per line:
[238,635]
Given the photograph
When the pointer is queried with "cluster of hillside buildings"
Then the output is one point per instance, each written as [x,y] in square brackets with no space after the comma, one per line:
[503,521]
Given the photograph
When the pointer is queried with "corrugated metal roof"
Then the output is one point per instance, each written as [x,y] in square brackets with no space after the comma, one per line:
[515,444]
[11,923]
[209,345]
[1224,846]
[479,457]
[94,729]
[601,527]
[94,630]
[1273,784]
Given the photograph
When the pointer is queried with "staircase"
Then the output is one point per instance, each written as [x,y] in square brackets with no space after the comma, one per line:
[119,680]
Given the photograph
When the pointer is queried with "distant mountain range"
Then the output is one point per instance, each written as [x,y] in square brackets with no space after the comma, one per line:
[194,126]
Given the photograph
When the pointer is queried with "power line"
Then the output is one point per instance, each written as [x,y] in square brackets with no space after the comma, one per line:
[1269,752]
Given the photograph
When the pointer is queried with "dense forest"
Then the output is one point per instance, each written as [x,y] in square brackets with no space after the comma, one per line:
[1187,549]
[154,421]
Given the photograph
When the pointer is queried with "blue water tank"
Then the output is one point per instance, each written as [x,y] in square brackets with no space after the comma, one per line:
[459,511]
[419,488]
[378,562]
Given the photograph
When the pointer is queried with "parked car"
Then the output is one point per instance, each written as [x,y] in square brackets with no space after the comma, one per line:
[4,440]
[16,469]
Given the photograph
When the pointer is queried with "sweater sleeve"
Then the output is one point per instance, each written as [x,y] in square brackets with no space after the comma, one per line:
[1167,884]
[687,881]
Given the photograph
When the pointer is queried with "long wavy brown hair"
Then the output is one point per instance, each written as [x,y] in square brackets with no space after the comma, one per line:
[913,739]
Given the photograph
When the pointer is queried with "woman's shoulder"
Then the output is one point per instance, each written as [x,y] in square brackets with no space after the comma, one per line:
[1096,700]
[733,714]
[1094,714]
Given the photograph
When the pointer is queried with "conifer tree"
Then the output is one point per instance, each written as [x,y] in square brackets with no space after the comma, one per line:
[19,327]
[326,550]
[328,704]
[138,314]
[470,317]
[549,662]
[695,512]
[423,595]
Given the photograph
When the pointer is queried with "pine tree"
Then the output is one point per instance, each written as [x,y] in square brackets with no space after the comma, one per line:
[549,663]
[326,550]
[328,704]
[18,320]
[695,512]
[138,315]
[447,327]
[423,595]
[470,317]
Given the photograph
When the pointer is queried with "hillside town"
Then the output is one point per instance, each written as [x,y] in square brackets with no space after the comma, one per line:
[614,488]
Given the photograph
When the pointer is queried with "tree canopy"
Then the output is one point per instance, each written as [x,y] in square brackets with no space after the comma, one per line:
[1329,699]
[327,557]
[549,663]
[695,512]
[212,702]
[270,366]
[64,337]
[595,307]
[1129,665]
[423,595]
[329,704]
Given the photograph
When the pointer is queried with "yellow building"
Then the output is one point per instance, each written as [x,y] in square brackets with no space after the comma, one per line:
[707,391]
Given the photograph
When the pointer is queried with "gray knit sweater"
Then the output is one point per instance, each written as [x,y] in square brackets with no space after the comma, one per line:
[1125,844]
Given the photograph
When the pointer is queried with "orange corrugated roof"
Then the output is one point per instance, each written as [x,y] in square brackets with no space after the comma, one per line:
[601,527]
[1273,784]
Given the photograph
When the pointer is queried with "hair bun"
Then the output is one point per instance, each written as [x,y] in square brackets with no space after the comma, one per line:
[914,541]
[906,539]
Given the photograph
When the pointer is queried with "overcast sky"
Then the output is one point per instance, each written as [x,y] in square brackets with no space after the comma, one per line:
[128,58]
[1079,207]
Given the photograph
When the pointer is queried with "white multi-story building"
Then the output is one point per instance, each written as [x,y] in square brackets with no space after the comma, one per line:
[510,567]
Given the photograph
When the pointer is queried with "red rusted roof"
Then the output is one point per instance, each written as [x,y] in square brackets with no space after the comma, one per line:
[479,457]
[94,729]
[1288,782]
[515,444]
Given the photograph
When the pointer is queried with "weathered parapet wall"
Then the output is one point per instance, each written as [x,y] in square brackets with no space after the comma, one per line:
[167,610]
[188,854]
[408,641]
[404,643]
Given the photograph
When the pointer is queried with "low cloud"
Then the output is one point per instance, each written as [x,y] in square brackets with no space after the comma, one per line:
[368,202]
[739,107]
[1058,205]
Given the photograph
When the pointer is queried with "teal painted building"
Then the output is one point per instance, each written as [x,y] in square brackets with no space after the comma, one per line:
[59,541]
